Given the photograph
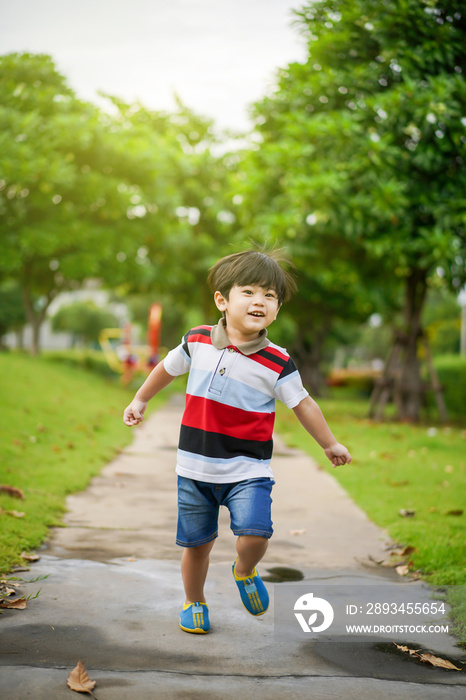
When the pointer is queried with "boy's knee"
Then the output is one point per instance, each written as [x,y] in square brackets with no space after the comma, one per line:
[200,551]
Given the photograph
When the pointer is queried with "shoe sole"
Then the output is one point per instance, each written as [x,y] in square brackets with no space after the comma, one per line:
[197,630]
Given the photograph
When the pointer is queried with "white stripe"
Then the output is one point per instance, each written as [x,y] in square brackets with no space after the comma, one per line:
[236,393]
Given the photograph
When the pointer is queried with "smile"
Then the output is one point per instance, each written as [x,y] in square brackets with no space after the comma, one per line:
[258,314]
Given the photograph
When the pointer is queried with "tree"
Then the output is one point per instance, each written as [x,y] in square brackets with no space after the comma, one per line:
[369,140]
[84,319]
[11,308]
[187,220]
[59,198]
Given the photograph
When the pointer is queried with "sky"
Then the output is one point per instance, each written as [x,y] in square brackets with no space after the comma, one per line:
[219,56]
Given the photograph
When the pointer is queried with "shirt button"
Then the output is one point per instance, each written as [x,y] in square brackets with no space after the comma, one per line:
[231,350]
[222,371]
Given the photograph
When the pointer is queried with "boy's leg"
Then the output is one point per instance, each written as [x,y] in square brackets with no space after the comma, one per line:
[250,550]
[194,567]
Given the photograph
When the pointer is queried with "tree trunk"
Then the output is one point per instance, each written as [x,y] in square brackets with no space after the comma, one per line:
[308,357]
[35,317]
[408,386]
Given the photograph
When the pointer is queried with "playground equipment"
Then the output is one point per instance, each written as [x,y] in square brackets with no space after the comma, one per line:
[126,358]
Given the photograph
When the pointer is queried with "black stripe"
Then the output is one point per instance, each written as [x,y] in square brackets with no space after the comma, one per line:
[222,446]
[199,331]
[185,343]
[193,331]
[272,358]
[289,368]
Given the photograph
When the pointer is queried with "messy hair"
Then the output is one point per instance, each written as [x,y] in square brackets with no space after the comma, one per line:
[270,270]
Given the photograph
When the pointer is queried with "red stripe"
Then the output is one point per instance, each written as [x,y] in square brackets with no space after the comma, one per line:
[266,362]
[199,338]
[215,417]
[277,352]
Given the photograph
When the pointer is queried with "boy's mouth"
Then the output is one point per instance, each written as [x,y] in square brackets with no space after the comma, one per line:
[258,314]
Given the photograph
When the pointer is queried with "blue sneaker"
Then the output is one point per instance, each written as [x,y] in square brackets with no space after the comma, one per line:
[195,618]
[253,592]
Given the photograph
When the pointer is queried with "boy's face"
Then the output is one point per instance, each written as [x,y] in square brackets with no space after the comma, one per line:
[248,310]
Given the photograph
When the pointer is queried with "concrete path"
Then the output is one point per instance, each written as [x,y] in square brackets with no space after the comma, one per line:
[114,591]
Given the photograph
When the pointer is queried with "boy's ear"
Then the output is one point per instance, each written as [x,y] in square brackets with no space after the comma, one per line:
[220,301]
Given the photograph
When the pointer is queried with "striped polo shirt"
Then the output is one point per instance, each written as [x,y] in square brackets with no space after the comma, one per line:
[227,425]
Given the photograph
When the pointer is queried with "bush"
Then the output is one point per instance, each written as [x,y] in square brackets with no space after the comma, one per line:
[359,382]
[92,360]
[451,371]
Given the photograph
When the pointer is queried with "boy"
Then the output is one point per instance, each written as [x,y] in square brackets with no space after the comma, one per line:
[225,447]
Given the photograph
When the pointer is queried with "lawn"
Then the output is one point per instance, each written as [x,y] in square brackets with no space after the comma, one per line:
[60,425]
[418,469]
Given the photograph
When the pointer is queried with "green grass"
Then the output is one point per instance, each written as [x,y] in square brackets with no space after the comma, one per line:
[60,425]
[399,466]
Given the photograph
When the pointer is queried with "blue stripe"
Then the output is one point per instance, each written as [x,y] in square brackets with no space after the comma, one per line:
[287,377]
[235,393]
[219,460]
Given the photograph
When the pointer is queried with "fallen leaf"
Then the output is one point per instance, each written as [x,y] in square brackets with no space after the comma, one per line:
[402,570]
[18,604]
[297,532]
[30,557]
[407,650]
[427,658]
[14,513]
[456,511]
[12,491]
[5,591]
[408,550]
[407,513]
[437,661]
[79,680]
[7,581]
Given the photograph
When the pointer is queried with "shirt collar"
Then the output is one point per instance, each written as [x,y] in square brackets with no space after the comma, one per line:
[220,340]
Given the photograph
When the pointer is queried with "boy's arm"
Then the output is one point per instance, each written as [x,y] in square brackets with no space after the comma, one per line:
[312,419]
[155,382]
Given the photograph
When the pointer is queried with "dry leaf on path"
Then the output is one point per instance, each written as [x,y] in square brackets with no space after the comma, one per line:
[428,658]
[297,532]
[407,650]
[5,591]
[18,604]
[402,570]
[30,557]
[12,491]
[79,680]
[437,661]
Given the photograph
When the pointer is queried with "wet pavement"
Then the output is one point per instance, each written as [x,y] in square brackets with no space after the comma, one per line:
[113,593]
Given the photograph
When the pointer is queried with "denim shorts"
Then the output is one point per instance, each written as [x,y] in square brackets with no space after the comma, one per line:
[248,501]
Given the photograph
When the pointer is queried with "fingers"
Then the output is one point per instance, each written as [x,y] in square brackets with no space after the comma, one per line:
[132,417]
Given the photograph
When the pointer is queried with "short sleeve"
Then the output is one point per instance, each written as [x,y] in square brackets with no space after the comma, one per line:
[178,360]
[289,388]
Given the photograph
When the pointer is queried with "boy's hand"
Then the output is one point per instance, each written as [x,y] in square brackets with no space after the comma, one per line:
[338,454]
[134,413]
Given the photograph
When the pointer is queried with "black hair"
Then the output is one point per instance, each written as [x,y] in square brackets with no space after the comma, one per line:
[269,270]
